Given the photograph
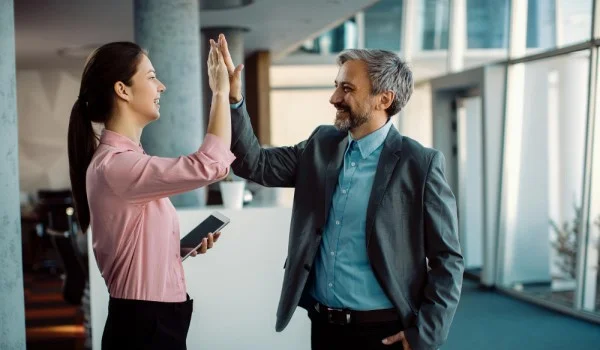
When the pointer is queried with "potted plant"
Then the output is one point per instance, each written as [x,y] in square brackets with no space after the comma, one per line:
[232,192]
[567,241]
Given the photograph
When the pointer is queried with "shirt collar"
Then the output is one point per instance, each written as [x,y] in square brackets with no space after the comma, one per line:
[371,142]
[117,140]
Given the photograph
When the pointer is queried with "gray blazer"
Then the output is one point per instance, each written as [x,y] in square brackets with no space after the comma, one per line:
[411,216]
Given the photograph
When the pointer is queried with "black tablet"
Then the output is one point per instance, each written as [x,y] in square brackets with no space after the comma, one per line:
[192,241]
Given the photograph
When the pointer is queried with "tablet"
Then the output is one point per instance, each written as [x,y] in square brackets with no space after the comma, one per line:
[192,241]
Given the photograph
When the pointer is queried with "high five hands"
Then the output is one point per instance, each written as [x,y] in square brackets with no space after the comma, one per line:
[235,73]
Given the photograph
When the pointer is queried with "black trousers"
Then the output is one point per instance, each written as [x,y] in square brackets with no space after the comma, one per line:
[140,324]
[367,336]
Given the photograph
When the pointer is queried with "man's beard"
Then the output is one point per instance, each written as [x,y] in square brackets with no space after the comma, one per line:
[349,120]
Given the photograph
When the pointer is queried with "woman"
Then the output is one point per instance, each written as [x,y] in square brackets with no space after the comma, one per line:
[121,192]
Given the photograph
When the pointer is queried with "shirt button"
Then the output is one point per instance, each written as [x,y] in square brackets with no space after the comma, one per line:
[332,253]
[330,285]
[344,191]
[337,222]
[353,164]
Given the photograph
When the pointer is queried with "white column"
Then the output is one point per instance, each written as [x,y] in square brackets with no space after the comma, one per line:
[407,49]
[12,318]
[409,15]
[457,35]
[170,31]
[360,30]
[513,131]
[558,23]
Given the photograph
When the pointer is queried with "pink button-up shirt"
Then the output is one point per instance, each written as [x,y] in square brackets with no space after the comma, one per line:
[135,227]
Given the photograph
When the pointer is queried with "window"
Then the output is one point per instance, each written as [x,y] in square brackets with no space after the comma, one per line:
[383,25]
[487,24]
[434,18]
[344,36]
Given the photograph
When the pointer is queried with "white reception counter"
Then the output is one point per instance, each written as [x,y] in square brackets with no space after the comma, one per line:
[235,286]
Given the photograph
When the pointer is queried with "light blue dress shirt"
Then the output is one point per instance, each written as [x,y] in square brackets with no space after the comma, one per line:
[343,275]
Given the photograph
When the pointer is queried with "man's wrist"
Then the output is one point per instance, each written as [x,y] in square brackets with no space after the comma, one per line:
[236,105]
[235,99]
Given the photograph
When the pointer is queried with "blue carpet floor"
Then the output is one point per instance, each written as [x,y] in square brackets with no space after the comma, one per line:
[490,321]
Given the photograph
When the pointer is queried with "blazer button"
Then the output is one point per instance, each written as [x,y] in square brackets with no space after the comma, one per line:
[307,267]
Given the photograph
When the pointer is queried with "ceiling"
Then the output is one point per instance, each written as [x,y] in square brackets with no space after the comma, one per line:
[43,28]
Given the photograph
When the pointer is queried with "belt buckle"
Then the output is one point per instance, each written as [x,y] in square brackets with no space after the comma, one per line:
[338,316]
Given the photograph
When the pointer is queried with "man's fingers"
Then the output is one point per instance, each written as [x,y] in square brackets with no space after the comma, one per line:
[216,236]
[393,339]
[238,70]
[226,55]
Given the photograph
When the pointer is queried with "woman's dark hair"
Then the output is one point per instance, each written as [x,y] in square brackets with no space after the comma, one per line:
[107,65]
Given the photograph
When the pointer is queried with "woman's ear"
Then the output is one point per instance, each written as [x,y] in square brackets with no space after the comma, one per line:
[122,91]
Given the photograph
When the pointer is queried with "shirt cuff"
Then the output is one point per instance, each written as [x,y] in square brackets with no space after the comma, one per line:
[214,146]
[237,105]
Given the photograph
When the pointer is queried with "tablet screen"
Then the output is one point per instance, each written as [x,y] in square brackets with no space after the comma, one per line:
[193,239]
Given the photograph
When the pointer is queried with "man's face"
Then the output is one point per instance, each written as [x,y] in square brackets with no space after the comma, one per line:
[352,96]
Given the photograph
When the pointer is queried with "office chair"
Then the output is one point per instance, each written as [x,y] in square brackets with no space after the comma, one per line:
[61,228]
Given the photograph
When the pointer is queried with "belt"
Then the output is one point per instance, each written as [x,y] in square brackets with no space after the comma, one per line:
[345,316]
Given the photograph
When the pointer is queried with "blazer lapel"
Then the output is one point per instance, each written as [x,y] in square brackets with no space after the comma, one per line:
[336,159]
[390,154]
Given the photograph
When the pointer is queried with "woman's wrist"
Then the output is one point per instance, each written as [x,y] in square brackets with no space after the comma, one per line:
[220,95]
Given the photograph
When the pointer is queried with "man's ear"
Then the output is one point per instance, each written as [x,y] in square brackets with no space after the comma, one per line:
[122,91]
[386,99]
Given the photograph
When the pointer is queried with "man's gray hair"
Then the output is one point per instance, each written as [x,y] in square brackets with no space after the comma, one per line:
[387,73]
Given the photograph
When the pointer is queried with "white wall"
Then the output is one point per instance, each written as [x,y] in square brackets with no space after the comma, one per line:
[416,119]
[235,287]
[45,98]
[470,179]
[296,113]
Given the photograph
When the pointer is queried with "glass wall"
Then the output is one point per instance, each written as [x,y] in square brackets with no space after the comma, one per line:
[550,220]
[558,23]
[547,176]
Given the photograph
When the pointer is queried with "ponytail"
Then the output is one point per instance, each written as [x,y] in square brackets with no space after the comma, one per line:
[107,65]
[81,147]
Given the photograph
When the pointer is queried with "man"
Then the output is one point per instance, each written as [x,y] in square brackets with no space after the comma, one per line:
[373,249]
